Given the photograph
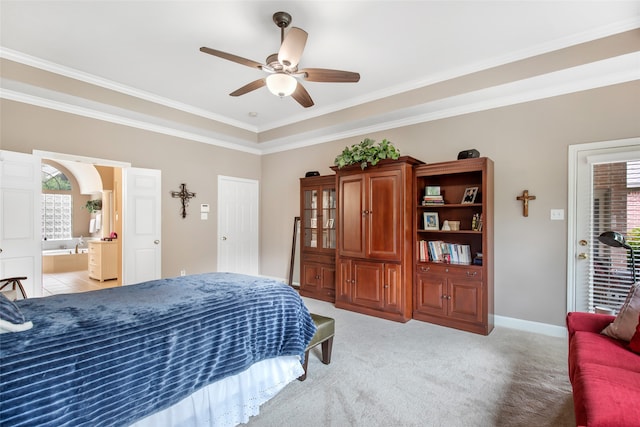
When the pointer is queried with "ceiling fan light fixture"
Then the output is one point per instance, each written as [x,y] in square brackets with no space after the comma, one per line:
[281,84]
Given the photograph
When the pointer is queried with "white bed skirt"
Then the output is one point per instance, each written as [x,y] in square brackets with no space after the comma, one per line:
[232,400]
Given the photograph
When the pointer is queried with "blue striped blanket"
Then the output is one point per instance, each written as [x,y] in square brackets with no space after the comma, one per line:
[114,356]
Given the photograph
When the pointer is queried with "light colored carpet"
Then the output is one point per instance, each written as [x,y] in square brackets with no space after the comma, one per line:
[384,373]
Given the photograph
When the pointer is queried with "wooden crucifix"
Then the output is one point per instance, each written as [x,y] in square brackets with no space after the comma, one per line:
[185,196]
[525,202]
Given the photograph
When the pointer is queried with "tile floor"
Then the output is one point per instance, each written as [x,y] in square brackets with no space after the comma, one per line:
[72,282]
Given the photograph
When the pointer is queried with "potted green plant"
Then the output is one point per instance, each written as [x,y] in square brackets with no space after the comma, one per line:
[93,205]
[366,152]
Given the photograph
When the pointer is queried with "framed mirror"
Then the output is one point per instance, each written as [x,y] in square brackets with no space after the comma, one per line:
[294,266]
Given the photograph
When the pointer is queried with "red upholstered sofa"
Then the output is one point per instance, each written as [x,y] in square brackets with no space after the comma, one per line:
[604,373]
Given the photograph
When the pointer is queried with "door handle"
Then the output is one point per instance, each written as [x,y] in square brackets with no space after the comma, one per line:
[582,255]
[223,238]
[157,242]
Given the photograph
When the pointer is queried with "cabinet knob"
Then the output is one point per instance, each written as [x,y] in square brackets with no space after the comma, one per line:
[364,213]
[425,268]
[318,277]
[353,282]
[386,286]
[472,273]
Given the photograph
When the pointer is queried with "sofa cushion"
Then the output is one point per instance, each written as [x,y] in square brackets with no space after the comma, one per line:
[606,396]
[626,321]
[598,349]
[634,344]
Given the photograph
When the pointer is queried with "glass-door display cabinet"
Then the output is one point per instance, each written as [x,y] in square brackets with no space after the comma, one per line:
[318,237]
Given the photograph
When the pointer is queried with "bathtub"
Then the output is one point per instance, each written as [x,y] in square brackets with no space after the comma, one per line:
[63,260]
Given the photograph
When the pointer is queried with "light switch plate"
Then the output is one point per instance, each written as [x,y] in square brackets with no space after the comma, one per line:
[557,214]
[204,207]
[204,215]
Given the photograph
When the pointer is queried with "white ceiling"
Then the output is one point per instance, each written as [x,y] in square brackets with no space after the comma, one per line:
[151,48]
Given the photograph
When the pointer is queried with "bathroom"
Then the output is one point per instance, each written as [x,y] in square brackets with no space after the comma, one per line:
[79,209]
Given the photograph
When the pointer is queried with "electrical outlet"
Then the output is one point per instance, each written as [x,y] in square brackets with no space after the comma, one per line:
[183,272]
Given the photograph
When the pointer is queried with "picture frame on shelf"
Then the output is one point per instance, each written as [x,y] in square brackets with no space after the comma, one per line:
[431,221]
[314,222]
[469,195]
[330,223]
[432,190]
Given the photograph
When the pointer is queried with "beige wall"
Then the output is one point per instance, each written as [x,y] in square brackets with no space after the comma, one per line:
[188,243]
[527,142]
[529,145]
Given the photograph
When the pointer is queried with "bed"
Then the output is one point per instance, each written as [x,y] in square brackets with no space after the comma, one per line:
[204,349]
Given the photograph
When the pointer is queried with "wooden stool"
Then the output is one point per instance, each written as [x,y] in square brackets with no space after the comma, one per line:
[324,335]
[14,281]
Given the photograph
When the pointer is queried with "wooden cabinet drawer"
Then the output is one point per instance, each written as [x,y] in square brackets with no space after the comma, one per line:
[452,270]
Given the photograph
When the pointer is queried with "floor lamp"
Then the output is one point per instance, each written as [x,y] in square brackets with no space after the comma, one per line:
[617,240]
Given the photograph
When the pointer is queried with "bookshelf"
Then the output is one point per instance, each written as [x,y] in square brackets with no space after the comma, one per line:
[453,217]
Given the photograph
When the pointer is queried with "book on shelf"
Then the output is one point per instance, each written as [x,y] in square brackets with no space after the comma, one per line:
[440,251]
[432,200]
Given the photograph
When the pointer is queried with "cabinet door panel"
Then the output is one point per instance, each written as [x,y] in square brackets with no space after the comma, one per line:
[384,223]
[367,289]
[393,287]
[343,283]
[351,216]
[430,294]
[328,275]
[310,276]
[466,300]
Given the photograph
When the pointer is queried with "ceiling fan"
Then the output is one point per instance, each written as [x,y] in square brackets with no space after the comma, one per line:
[284,76]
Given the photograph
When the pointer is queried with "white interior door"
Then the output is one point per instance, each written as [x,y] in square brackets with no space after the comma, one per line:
[238,201]
[20,231]
[141,228]
[585,204]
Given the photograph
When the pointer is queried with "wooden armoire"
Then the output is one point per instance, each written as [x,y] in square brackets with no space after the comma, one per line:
[374,254]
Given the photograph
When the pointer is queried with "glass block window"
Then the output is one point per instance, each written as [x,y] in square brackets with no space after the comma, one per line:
[56,204]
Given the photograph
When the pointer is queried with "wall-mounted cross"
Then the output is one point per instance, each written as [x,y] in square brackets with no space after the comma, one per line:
[525,202]
[185,196]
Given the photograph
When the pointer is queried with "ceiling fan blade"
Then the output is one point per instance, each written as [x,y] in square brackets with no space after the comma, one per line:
[333,76]
[257,84]
[302,96]
[231,57]
[292,47]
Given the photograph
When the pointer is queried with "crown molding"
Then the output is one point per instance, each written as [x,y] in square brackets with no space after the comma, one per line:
[602,73]
[122,120]
[52,67]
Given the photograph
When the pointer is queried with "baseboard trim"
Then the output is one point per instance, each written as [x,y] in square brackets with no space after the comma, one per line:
[530,326]
[503,321]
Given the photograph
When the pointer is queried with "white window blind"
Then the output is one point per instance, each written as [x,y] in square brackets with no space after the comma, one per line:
[616,207]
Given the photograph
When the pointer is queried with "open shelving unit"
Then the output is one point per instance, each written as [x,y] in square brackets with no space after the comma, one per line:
[455,292]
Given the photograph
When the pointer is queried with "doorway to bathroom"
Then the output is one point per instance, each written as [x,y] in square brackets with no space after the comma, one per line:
[80,217]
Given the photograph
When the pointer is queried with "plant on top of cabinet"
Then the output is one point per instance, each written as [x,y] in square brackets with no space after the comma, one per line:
[366,152]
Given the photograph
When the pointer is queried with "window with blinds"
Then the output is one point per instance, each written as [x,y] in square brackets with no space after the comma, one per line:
[616,207]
